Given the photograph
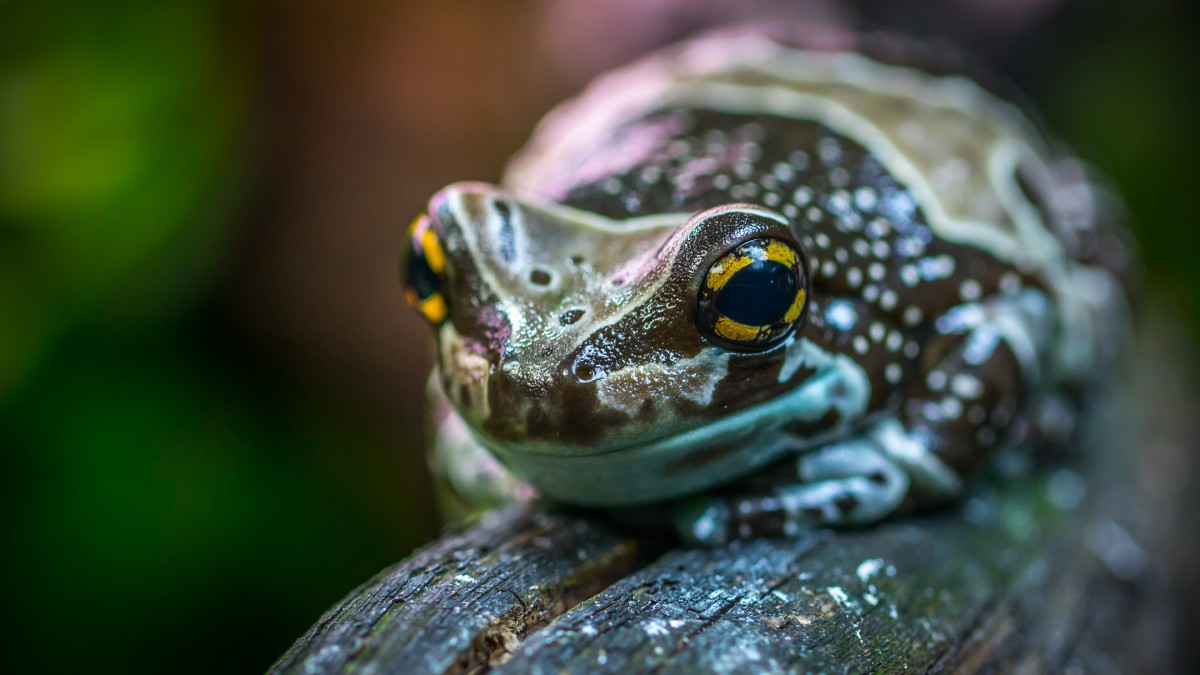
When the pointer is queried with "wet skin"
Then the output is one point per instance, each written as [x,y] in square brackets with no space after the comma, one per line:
[771,287]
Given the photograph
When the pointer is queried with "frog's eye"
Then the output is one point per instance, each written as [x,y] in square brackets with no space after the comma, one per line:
[425,267]
[754,295]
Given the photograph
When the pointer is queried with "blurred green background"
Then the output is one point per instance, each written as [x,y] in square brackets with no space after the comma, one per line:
[210,388]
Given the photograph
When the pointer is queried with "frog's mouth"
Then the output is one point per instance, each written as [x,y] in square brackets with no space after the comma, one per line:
[827,405]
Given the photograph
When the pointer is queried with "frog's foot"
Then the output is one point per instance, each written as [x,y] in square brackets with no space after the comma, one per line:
[847,483]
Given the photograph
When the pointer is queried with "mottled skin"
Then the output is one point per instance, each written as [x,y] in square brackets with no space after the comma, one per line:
[961,291]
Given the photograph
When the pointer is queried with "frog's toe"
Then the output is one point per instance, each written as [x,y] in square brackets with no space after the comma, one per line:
[846,483]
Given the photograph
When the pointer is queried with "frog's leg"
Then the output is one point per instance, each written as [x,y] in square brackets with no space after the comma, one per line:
[983,388]
[845,483]
[984,358]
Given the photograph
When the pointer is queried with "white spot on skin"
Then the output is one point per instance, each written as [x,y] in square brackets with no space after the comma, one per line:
[854,277]
[860,344]
[951,407]
[893,372]
[888,299]
[894,340]
[878,228]
[1010,282]
[829,150]
[933,269]
[970,290]
[841,315]
[865,198]
[935,380]
[966,386]
[912,315]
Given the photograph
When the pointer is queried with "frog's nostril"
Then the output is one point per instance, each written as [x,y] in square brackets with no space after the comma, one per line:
[585,372]
[571,316]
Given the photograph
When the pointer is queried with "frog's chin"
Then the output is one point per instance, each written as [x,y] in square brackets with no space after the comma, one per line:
[649,472]
[717,452]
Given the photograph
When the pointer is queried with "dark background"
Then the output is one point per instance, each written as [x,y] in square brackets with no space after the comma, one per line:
[210,387]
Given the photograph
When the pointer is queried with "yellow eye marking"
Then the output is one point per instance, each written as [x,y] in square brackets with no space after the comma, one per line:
[423,236]
[433,251]
[797,305]
[723,271]
[433,307]
[781,253]
[735,331]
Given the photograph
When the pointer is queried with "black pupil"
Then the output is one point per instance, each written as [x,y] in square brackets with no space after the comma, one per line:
[421,278]
[759,294]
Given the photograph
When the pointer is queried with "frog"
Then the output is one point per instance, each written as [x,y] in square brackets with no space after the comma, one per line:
[757,284]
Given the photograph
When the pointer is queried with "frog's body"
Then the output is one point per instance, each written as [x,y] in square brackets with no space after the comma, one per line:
[955,283]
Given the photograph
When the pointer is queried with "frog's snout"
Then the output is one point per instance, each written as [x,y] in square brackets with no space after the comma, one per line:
[516,378]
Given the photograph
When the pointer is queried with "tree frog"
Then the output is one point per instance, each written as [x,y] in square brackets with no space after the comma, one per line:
[759,284]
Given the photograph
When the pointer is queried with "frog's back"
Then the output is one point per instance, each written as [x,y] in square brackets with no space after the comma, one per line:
[745,116]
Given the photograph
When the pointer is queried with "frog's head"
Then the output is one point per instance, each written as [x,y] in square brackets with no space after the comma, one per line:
[565,333]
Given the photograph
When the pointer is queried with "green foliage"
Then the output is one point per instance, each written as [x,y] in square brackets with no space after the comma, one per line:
[178,510]
[117,130]
[1124,95]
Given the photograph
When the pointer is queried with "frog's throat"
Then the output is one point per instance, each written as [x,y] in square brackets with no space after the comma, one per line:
[705,455]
